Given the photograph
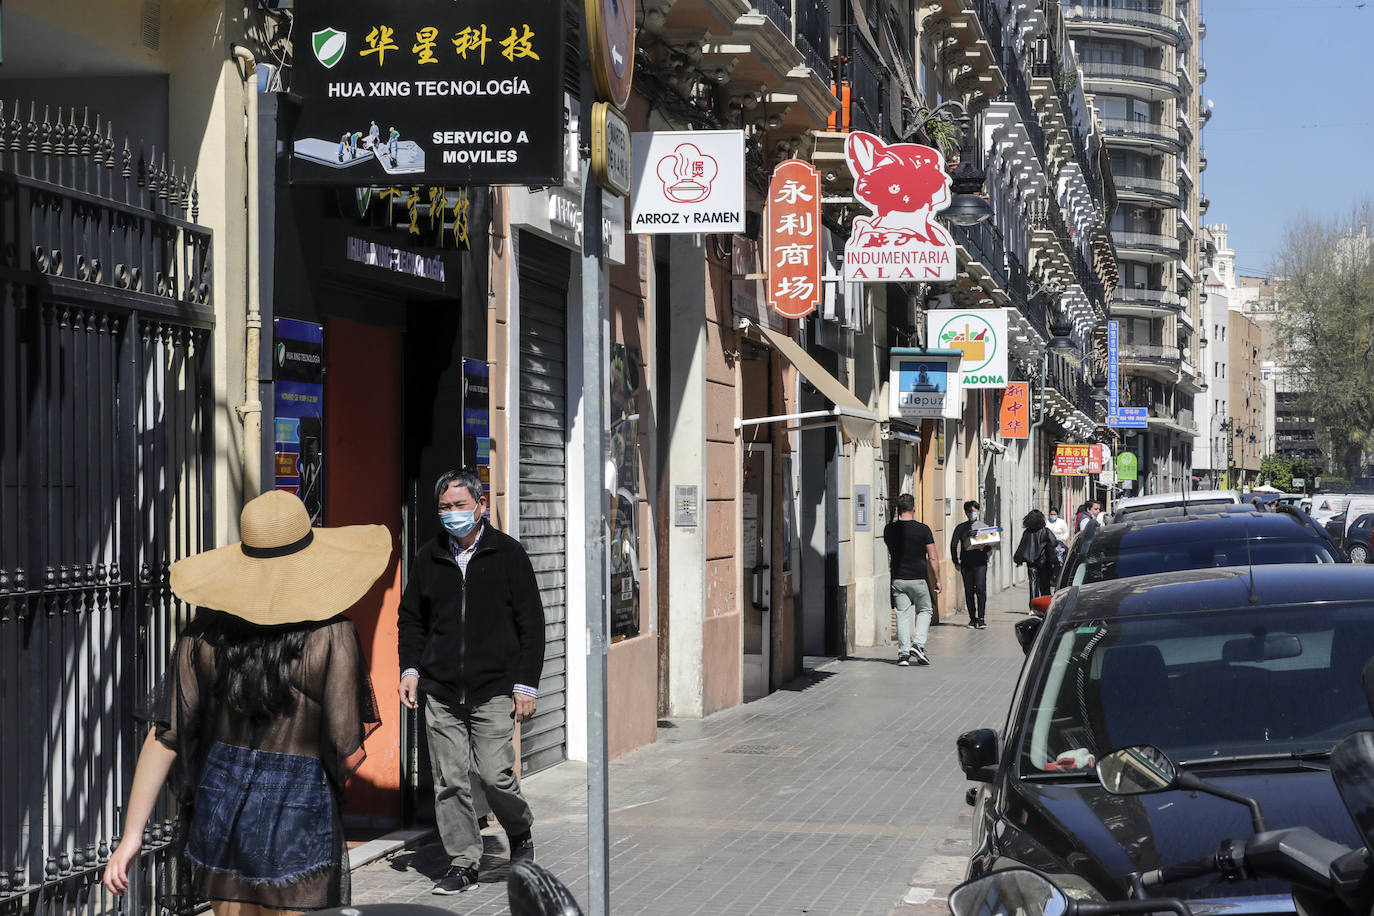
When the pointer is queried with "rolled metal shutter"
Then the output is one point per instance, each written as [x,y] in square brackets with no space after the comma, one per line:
[545,271]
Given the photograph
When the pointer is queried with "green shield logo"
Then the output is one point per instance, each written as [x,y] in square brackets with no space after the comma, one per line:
[328,45]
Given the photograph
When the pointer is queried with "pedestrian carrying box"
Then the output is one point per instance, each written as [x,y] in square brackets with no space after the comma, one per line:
[985,537]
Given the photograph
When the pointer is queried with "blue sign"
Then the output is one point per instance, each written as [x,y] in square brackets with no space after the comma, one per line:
[298,396]
[1129,418]
[1113,379]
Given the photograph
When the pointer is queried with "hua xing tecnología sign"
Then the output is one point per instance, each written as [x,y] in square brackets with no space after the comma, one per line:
[981,335]
[923,384]
[428,92]
[794,239]
[903,185]
[687,181]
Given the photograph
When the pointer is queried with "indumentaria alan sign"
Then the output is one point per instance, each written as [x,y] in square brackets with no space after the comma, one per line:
[904,185]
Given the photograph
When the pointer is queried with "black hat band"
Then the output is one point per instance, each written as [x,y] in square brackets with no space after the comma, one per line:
[271,553]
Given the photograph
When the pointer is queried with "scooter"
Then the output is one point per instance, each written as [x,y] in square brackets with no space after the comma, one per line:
[1328,879]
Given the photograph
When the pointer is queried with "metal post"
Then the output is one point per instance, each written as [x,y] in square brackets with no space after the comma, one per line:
[595,445]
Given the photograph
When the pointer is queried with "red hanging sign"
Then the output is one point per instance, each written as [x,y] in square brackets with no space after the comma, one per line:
[1016,411]
[794,239]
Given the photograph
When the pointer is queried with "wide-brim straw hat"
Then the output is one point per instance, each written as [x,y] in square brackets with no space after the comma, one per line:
[284,571]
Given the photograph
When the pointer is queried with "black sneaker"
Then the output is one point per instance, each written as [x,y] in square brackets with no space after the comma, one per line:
[902,662]
[456,880]
[919,653]
[522,848]
[982,624]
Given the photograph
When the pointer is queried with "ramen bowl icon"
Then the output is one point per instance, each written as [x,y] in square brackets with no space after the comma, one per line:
[687,174]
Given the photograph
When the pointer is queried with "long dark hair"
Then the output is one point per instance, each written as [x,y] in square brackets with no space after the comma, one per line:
[253,666]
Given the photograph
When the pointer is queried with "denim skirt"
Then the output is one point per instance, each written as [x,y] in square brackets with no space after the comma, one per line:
[263,817]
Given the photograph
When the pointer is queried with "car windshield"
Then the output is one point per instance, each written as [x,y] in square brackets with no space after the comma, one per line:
[1202,685]
[1178,507]
[1101,561]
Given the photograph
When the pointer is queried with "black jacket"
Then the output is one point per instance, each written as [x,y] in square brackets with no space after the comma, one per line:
[1036,547]
[973,556]
[471,654]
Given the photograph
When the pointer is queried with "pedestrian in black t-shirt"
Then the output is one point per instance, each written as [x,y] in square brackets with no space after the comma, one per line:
[972,563]
[912,557]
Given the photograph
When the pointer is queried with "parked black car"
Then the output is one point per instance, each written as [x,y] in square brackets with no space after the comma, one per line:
[1359,539]
[1237,537]
[1246,676]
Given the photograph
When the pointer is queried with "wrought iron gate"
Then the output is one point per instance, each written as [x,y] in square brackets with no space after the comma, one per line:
[105,480]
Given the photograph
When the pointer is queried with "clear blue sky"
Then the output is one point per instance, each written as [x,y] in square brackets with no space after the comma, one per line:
[1292,129]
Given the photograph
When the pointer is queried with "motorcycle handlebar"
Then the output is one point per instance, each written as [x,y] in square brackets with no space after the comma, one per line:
[1180,871]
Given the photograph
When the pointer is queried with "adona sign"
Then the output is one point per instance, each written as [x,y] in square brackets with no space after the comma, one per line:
[428,92]
[981,335]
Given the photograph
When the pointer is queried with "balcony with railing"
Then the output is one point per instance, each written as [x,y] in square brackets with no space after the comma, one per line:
[1152,82]
[1159,136]
[1147,245]
[867,79]
[1018,93]
[813,35]
[983,244]
[1139,188]
[1150,355]
[1144,301]
[1150,25]
[1185,126]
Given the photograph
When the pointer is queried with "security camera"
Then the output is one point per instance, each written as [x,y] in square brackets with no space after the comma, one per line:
[994,446]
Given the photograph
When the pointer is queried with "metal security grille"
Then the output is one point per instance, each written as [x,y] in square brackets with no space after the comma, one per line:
[105,469]
[544,277]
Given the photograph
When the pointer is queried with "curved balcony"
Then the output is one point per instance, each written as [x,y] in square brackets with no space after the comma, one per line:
[1158,362]
[1148,303]
[1145,246]
[1150,83]
[1141,25]
[1137,189]
[1156,136]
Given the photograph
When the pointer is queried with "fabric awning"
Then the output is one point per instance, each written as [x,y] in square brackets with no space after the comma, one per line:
[855,419]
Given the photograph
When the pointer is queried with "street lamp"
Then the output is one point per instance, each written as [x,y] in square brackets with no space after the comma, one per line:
[967,206]
[1061,331]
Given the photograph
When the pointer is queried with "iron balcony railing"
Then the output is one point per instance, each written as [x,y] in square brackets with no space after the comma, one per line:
[1152,20]
[1150,298]
[1146,240]
[991,17]
[984,243]
[1018,93]
[1142,130]
[1156,188]
[1151,353]
[813,35]
[1154,76]
[779,12]
[867,78]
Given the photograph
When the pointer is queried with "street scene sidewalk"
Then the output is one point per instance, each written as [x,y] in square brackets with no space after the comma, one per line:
[839,794]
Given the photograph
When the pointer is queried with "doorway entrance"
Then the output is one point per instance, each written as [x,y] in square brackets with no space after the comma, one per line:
[756,520]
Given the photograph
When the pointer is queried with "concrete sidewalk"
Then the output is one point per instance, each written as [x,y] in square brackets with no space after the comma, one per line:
[839,794]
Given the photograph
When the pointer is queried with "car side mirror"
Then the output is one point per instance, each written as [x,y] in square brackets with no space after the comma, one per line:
[1137,770]
[978,754]
[1010,892]
[1027,628]
[1041,605]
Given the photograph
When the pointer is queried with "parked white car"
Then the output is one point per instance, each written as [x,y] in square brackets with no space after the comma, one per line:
[1193,500]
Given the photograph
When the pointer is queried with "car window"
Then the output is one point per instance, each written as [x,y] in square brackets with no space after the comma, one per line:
[1193,506]
[1201,685]
[1116,562]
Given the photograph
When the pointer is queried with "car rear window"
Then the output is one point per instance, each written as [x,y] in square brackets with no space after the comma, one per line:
[1117,562]
[1193,506]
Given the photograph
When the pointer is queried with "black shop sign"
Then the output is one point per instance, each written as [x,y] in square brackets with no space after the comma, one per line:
[428,92]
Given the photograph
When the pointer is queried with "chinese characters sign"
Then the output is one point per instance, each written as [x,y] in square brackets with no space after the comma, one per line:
[429,90]
[923,384]
[687,181]
[981,335]
[1016,411]
[1071,460]
[794,239]
[904,185]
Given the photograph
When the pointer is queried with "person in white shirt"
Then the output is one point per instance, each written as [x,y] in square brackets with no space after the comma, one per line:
[1058,526]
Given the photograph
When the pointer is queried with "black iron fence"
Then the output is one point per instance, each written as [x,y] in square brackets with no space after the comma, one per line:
[105,472]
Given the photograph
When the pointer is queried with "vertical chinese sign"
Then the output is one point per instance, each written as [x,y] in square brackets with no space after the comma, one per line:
[1016,411]
[794,239]
[298,396]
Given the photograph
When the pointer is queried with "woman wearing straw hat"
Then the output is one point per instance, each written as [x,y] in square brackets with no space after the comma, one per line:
[262,715]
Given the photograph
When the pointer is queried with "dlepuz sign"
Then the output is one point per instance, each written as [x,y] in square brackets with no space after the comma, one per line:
[428,92]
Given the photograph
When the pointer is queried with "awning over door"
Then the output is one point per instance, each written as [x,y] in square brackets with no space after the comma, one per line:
[855,420]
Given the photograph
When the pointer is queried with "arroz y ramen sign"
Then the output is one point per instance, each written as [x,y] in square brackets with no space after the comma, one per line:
[904,185]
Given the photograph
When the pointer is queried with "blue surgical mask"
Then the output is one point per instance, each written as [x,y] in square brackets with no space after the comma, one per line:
[458,522]
[973,516]
[1054,517]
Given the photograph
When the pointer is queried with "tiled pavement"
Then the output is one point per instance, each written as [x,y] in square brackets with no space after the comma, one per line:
[839,794]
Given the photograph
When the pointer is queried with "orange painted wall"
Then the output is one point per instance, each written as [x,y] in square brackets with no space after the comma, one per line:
[363,436]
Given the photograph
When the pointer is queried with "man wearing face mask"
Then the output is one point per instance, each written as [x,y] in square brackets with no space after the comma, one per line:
[471,630]
[972,563]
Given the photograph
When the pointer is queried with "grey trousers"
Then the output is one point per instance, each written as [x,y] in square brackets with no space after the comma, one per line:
[473,739]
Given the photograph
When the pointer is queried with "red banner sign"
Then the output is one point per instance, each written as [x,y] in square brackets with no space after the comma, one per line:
[794,239]
[1016,411]
[1071,460]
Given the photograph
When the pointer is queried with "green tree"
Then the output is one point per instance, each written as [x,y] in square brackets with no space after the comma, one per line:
[1325,329]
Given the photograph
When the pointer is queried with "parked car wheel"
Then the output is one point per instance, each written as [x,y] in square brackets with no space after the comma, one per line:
[1359,554]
